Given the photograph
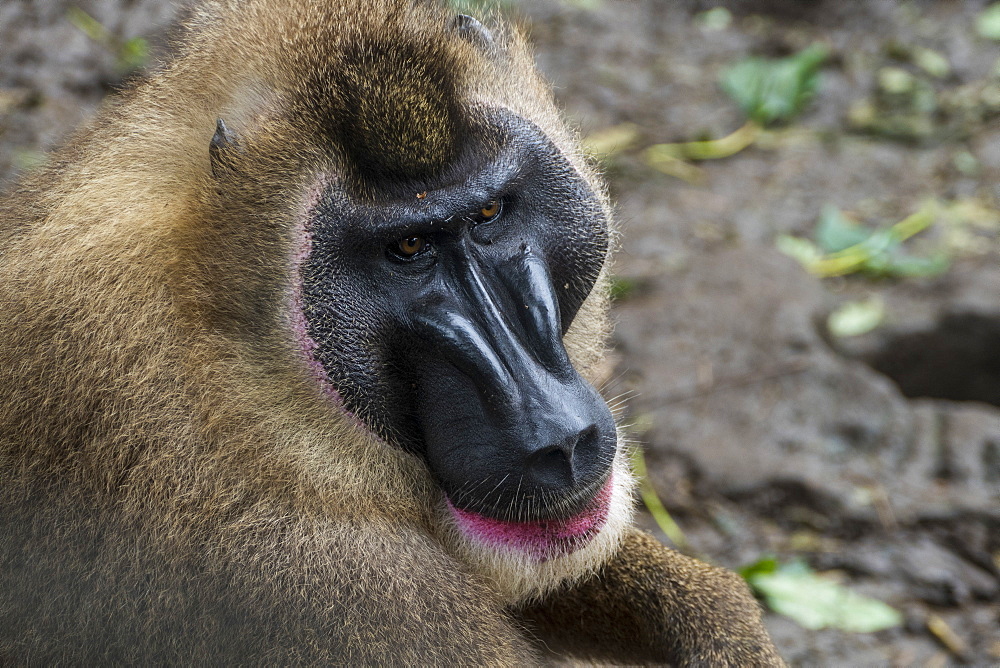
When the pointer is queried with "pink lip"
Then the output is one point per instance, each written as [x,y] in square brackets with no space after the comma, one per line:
[540,539]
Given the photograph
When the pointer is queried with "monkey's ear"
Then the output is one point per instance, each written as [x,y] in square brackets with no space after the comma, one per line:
[473,32]
[221,148]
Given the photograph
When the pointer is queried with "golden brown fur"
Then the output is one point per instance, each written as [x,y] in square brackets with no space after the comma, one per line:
[175,486]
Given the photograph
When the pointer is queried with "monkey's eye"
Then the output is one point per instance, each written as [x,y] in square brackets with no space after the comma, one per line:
[410,246]
[489,211]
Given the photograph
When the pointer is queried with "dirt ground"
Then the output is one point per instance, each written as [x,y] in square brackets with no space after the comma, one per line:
[877,456]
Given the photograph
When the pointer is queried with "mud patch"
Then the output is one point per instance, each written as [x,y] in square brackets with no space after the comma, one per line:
[959,359]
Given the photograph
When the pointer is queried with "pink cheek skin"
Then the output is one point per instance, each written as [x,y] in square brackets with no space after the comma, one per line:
[305,344]
[307,349]
[542,539]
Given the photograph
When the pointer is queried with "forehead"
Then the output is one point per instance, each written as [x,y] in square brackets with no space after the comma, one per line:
[392,100]
[398,111]
[499,151]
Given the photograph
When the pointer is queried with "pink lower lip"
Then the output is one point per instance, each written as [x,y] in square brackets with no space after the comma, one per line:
[540,539]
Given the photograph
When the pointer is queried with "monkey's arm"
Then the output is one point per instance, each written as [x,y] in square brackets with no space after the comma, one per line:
[652,604]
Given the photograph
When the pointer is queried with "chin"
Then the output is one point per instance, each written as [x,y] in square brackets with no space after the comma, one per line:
[523,561]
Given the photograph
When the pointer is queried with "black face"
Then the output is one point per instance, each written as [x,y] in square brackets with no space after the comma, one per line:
[439,314]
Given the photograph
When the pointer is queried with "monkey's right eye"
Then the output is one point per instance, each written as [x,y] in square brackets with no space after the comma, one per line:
[410,246]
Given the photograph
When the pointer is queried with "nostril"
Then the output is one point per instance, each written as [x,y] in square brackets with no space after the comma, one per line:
[554,465]
[554,457]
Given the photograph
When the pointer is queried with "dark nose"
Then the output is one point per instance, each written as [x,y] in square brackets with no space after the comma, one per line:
[553,466]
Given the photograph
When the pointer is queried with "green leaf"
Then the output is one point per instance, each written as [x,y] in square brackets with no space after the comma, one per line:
[881,242]
[908,266]
[769,91]
[762,566]
[622,287]
[818,602]
[932,62]
[134,54]
[717,18]
[856,318]
[845,248]
[988,22]
[803,250]
[896,81]
[26,159]
[835,231]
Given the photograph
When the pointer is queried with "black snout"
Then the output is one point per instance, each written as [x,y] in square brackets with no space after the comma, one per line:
[536,440]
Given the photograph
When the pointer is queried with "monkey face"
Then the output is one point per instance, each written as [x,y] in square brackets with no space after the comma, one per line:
[437,315]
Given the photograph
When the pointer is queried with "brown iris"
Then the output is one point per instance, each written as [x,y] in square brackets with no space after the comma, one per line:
[410,246]
[490,209]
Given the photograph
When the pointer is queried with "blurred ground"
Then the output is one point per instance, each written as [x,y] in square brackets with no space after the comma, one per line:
[764,433]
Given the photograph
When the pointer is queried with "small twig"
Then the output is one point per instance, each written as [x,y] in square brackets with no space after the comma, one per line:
[946,636]
[711,149]
[653,504]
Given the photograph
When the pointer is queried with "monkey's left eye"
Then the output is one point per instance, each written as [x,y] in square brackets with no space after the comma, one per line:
[489,211]
[410,246]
